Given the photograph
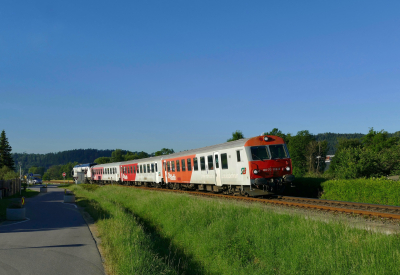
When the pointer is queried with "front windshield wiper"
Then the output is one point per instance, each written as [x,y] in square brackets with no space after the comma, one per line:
[257,157]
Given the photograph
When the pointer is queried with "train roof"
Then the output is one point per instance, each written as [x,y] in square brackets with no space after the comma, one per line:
[85,165]
[231,144]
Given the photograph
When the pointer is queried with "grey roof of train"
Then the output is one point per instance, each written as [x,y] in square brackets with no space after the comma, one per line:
[211,148]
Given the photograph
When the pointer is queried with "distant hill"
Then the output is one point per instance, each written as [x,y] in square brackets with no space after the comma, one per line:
[64,157]
[332,139]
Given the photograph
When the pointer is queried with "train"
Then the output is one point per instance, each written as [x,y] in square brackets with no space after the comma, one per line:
[257,166]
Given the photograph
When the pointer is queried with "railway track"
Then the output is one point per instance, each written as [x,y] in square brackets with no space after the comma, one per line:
[363,209]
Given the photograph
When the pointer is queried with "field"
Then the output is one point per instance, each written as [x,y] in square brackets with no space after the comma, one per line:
[147,232]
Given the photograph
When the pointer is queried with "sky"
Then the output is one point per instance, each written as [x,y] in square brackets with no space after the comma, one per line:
[146,75]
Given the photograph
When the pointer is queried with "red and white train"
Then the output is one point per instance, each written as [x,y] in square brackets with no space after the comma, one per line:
[255,166]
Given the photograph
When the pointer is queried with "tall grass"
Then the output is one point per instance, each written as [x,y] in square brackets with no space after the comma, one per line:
[146,232]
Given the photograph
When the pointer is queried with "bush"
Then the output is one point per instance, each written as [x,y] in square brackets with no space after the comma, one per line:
[373,190]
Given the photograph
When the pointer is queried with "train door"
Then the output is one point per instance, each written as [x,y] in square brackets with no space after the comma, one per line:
[157,172]
[165,171]
[217,167]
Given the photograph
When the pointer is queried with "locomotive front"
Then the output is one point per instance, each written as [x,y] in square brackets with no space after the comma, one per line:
[269,163]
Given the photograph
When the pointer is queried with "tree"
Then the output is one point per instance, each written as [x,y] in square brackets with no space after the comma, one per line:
[164,151]
[298,150]
[54,172]
[5,152]
[102,160]
[117,155]
[46,176]
[277,132]
[236,135]
[36,170]
[377,141]
[316,155]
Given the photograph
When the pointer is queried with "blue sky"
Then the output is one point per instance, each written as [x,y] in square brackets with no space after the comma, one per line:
[143,75]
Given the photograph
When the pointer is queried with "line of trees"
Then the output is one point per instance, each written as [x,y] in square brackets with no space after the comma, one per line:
[121,155]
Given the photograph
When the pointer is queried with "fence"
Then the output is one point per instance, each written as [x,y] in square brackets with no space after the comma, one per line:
[9,187]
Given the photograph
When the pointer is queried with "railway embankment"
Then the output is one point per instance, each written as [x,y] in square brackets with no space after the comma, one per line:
[159,232]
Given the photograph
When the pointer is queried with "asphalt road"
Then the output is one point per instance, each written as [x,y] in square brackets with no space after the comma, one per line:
[55,240]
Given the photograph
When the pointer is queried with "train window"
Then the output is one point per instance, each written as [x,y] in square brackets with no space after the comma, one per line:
[148,168]
[168,165]
[238,156]
[173,166]
[216,161]
[103,171]
[210,163]
[260,153]
[141,169]
[134,169]
[152,167]
[144,168]
[183,165]
[224,161]
[202,164]
[195,164]
[156,166]
[189,163]
[277,151]
[178,169]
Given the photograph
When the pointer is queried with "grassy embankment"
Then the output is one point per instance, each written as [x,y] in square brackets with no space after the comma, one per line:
[6,201]
[146,232]
[372,190]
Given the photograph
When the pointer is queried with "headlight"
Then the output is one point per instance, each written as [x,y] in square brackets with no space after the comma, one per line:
[255,171]
[266,138]
[287,168]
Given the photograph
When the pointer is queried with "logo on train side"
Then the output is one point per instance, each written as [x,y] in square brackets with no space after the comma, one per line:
[243,171]
[125,177]
[171,176]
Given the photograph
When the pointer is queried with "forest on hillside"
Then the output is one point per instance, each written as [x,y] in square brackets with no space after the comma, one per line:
[60,158]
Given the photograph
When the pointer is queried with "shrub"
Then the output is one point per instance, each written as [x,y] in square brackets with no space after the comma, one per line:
[373,190]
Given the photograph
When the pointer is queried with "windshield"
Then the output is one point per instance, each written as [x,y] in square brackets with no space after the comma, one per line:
[278,151]
[260,152]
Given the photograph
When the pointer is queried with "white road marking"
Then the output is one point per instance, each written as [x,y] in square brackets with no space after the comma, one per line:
[27,219]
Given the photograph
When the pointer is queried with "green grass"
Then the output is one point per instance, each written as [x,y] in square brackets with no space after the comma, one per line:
[146,232]
[8,200]
[373,190]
